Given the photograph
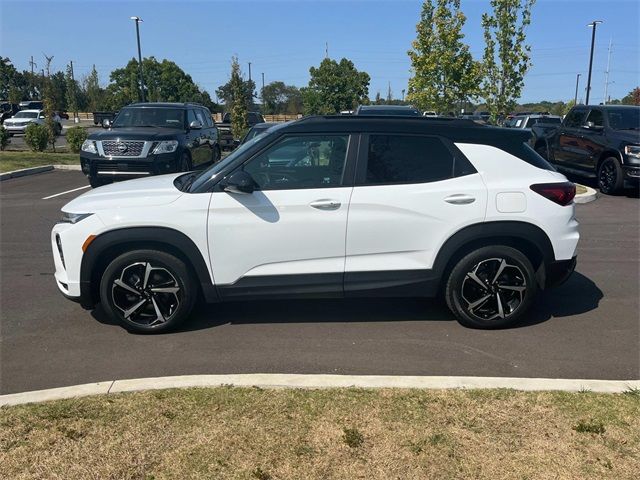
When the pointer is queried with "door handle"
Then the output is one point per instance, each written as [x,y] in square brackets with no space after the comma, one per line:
[325,204]
[460,199]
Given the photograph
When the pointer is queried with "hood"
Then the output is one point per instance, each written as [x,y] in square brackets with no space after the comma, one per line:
[137,133]
[631,136]
[142,192]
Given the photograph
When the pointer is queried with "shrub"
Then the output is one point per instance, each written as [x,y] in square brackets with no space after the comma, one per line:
[76,137]
[37,137]
[4,138]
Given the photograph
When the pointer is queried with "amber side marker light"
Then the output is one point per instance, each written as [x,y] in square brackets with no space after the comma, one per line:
[87,242]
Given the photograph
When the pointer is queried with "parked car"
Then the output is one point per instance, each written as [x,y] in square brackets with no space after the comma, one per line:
[601,141]
[370,207]
[7,110]
[227,139]
[63,115]
[21,120]
[256,130]
[528,121]
[100,117]
[404,110]
[31,105]
[149,139]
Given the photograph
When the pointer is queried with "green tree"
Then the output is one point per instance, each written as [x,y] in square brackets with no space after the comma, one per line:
[50,102]
[226,92]
[506,57]
[278,98]
[335,86]
[632,98]
[239,101]
[57,82]
[93,92]
[72,91]
[444,72]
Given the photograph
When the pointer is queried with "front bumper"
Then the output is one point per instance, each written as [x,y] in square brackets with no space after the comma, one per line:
[556,273]
[631,173]
[120,168]
[15,128]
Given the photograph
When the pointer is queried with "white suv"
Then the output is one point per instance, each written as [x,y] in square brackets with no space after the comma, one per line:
[329,206]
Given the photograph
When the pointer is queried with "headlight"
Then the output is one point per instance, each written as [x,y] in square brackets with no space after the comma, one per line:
[89,146]
[167,146]
[632,151]
[73,217]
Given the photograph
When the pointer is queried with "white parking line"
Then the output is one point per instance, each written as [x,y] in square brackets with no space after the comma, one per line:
[68,191]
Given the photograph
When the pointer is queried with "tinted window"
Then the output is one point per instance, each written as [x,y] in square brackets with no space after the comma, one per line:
[624,118]
[407,159]
[310,161]
[150,117]
[208,121]
[200,116]
[574,118]
[596,117]
[254,118]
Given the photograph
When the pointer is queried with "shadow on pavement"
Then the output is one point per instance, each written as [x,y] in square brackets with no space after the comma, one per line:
[578,295]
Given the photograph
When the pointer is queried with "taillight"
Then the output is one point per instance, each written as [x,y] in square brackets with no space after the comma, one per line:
[560,193]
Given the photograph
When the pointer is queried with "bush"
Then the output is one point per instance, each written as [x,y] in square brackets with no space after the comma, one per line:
[37,137]
[76,137]
[4,137]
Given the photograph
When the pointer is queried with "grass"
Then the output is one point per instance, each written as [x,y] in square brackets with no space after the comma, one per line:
[248,433]
[16,160]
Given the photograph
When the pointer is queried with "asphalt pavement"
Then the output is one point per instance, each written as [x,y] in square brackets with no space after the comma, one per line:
[587,328]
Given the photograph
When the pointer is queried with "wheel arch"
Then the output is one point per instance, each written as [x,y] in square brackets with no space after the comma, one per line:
[606,154]
[107,246]
[530,239]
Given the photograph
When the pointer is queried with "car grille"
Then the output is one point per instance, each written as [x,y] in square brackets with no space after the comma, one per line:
[125,148]
[121,167]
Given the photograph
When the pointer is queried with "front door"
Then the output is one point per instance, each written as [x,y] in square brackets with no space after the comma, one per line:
[288,236]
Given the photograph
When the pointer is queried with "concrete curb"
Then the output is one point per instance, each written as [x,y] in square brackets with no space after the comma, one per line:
[587,197]
[67,167]
[270,380]
[24,172]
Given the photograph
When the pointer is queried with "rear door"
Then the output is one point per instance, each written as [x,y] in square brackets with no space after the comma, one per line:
[569,148]
[412,192]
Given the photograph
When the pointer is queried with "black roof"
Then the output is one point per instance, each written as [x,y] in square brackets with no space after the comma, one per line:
[456,129]
[166,104]
[607,106]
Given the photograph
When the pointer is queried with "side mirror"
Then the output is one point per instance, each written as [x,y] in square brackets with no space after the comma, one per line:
[195,125]
[592,126]
[239,182]
[106,123]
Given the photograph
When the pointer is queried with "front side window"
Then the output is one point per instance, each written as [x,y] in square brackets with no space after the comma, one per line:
[596,117]
[393,159]
[574,119]
[306,161]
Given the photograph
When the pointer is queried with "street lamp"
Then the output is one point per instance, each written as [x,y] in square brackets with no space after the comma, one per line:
[593,24]
[575,99]
[138,20]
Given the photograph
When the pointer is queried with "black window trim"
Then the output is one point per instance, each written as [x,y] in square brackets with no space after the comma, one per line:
[348,173]
[363,153]
[584,111]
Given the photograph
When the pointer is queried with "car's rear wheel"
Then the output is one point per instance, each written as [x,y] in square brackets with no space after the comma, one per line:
[148,291]
[491,287]
[610,176]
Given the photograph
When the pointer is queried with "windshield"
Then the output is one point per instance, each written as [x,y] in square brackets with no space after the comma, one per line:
[212,171]
[150,117]
[26,115]
[624,118]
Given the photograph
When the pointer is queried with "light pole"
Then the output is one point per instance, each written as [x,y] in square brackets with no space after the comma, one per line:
[138,20]
[575,98]
[593,24]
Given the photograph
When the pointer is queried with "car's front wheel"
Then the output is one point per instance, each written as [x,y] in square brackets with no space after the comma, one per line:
[491,287]
[148,291]
[610,176]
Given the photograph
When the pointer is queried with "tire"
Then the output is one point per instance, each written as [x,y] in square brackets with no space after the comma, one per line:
[610,176]
[185,163]
[96,182]
[495,305]
[138,304]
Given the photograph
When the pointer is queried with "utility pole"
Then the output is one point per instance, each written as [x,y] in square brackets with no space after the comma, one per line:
[249,71]
[75,103]
[606,74]
[138,20]
[33,64]
[48,59]
[389,93]
[403,95]
[262,92]
[593,24]
[575,98]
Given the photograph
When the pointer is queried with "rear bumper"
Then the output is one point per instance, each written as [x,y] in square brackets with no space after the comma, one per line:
[559,271]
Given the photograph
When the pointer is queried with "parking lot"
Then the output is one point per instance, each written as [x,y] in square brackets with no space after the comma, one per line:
[587,328]
[17,141]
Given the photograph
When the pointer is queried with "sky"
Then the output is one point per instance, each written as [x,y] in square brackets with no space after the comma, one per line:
[282,39]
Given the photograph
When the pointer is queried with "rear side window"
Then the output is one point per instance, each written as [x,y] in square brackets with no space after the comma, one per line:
[393,159]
